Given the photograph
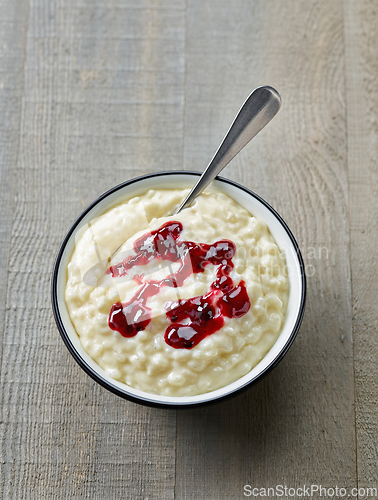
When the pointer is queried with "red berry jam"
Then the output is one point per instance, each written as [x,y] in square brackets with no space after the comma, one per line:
[191,320]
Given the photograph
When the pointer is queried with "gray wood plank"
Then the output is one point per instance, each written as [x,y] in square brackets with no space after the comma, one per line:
[362,100]
[297,426]
[103,102]
[13,30]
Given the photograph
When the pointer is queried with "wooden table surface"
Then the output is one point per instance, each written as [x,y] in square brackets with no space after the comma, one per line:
[95,92]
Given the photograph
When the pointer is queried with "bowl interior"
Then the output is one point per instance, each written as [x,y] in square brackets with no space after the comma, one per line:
[257,207]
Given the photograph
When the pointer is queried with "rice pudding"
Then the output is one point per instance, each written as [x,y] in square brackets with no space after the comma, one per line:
[177,306]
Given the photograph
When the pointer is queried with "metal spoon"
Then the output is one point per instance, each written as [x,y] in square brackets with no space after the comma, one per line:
[257,111]
[259,108]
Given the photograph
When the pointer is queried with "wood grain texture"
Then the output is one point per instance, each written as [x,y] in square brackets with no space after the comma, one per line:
[362,103]
[94,92]
[13,22]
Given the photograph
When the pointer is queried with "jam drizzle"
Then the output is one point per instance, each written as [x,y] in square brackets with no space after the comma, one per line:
[191,320]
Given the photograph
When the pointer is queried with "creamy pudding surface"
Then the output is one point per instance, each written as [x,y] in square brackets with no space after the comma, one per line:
[181,305]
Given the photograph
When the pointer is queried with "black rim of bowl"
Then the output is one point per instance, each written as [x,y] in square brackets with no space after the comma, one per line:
[150,402]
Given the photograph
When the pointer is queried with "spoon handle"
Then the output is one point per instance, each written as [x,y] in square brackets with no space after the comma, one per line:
[259,108]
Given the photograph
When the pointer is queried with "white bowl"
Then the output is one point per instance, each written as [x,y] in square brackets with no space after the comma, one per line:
[244,197]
